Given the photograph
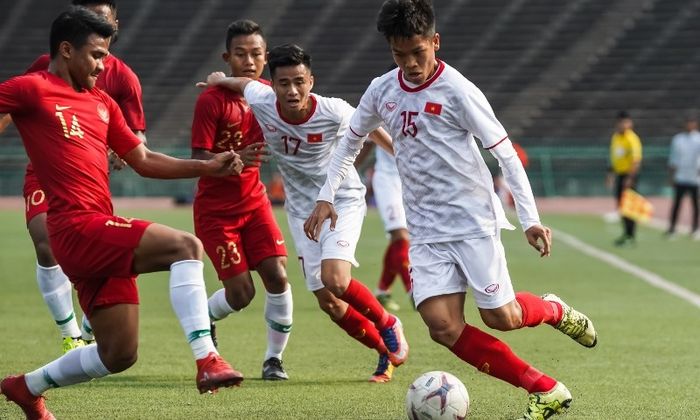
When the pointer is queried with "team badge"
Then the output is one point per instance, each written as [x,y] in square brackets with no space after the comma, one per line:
[103,113]
[271,127]
[390,106]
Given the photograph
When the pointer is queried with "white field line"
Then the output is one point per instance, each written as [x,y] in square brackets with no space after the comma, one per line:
[647,276]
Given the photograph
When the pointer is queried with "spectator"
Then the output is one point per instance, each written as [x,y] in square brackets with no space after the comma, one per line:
[684,170]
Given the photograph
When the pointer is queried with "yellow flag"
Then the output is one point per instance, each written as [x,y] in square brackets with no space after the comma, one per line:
[635,206]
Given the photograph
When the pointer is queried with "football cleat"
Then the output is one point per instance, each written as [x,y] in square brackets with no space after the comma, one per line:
[273,370]
[543,405]
[214,372]
[387,302]
[70,343]
[396,344]
[212,329]
[574,324]
[14,388]
[384,370]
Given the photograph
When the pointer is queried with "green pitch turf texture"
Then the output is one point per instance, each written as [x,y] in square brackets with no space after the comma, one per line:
[646,365]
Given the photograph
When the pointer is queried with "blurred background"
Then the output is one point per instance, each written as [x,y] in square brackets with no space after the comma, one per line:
[556,72]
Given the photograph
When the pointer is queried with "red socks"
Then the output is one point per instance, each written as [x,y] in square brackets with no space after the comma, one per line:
[395,262]
[537,310]
[361,298]
[361,329]
[494,357]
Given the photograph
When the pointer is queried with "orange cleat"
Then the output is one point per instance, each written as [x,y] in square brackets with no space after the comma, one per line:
[214,372]
[384,372]
[395,342]
[15,389]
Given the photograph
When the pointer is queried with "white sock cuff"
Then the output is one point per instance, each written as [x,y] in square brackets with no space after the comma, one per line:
[186,263]
[279,298]
[48,269]
[91,363]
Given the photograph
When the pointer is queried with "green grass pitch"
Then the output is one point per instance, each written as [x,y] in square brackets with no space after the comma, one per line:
[646,365]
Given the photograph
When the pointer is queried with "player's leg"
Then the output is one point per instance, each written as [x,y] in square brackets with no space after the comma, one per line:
[337,256]
[161,248]
[444,316]
[267,254]
[116,330]
[677,196]
[696,212]
[53,283]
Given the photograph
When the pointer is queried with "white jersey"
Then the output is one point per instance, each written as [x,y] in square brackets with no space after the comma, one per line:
[384,162]
[685,157]
[448,191]
[303,150]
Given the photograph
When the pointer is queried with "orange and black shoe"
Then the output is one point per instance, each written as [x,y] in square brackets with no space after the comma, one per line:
[384,372]
[14,388]
[214,372]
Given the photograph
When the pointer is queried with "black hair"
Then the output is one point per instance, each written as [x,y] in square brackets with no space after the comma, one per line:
[286,55]
[406,18]
[75,26]
[242,27]
[623,115]
[85,3]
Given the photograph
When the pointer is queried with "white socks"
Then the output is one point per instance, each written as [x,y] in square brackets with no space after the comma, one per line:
[188,297]
[218,306]
[56,290]
[78,365]
[278,315]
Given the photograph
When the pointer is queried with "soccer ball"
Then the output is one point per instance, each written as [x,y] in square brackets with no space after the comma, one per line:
[437,396]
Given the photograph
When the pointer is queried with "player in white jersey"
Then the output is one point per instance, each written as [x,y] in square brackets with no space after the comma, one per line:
[433,114]
[386,185]
[302,130]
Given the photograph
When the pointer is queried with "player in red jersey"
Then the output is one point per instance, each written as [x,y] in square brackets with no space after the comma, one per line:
[122,84]
[233,216]
[67,127]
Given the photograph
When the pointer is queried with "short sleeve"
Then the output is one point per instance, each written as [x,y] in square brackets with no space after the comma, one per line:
[344,111]
[366,119]
[18,95]
[636,148]
[476,115]
[206,119]
[120,138]
[130,100]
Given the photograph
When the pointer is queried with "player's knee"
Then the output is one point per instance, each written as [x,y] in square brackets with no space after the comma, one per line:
[240,296]
[189,247]
[445,334]
[503,322]
[333,307]
[336,283]
[119,359]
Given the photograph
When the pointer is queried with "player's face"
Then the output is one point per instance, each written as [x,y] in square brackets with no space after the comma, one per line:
[624,124]
[292,86]
[85,64]
[246,56]
[415,56]
[691,125]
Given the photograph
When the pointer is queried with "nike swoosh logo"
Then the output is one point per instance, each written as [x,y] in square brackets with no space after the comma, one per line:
[62,108]
[279,242]
[231,125]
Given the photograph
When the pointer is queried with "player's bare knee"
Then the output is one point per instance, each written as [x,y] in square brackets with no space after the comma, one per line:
[332,307]
[189,247]
[240,297]
[335,283]
[119,359]
[444,334]
[504,322]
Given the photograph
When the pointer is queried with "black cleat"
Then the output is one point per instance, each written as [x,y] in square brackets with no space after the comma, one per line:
[273,370]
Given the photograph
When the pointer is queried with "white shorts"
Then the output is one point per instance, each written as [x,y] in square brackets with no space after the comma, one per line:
[387,194]
[338,244]
[453,267]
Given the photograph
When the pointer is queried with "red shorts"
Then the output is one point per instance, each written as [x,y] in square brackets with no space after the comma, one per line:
[238,243]
[97,256]
[34,197]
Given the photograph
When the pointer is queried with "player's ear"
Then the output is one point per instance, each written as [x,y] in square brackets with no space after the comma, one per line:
[65,48]
[436,41]
[311,80]
[226,56]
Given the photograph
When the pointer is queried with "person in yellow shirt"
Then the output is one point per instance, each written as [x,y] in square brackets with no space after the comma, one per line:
[625,161]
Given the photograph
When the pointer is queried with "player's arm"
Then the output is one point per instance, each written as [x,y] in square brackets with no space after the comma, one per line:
[5,120]
[515,176]
[150,164]
[217,78]
[382,139]
[367,149]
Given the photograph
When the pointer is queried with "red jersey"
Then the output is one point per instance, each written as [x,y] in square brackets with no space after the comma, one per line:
[119,82]
[224,121]
[66,135]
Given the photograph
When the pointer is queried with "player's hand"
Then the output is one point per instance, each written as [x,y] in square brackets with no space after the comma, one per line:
[540,238]
[212,80]
[115,162]
[254,154]
[323,210]
[224,164]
